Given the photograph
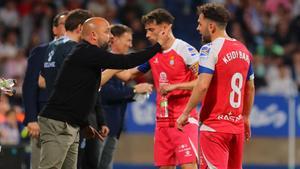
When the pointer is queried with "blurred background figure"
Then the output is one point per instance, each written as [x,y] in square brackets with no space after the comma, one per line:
[115,95]
[33,89]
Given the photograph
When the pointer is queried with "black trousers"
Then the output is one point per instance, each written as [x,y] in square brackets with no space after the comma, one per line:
[89,154]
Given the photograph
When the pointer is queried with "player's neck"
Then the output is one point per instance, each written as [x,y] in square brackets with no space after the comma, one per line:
[115,51]
[73,36]
[219,34]
[168,44]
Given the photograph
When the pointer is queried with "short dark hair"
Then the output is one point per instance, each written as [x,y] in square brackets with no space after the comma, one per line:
[119,29]
[56,18]
[76,17]
[159,16]
[215,12]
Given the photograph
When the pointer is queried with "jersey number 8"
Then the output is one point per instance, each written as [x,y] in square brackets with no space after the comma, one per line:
[236,86]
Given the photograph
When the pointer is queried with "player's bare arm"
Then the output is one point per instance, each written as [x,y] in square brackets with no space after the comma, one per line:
[143,88]
[248,103]
[129,74]
[108,74]
[179,86]
[198,94]
[182,86]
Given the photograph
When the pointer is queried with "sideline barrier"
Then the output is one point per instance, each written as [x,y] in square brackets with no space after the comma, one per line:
[269,116]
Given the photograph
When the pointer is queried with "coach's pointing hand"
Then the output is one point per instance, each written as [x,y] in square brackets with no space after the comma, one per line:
[89,132]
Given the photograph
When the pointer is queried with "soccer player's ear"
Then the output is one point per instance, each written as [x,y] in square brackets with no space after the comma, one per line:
[168,28]
[79,28]
[210,27]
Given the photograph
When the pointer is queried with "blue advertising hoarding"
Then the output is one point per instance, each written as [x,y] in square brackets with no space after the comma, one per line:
[297,116]
[269,116]
[140,116]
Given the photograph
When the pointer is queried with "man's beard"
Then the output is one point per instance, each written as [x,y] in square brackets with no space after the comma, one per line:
[206,39]
[104,46]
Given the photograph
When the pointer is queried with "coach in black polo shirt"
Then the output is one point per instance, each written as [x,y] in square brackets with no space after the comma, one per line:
[75,92]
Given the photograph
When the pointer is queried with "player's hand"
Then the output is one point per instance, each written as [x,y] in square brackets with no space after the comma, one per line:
[104,131]
[143,88]
[89,132]
[165,89]
[182,121]
[247,128]
[33,129]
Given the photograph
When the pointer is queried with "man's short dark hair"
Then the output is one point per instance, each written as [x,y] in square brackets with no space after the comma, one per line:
[55,21]
[159,16]
[76,17]
[215,12]
[119,29]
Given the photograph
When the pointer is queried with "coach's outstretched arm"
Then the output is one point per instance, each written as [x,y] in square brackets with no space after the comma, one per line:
[96,35]
[106,75]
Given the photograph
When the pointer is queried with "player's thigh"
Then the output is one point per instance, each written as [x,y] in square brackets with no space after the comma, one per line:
[236,151]
[214,152]
[167,167]
[164,154]
[189,166]
[186,143]
[192,132]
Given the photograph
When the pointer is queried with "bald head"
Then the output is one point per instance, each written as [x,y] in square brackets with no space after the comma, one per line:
[96,31]
[92,24]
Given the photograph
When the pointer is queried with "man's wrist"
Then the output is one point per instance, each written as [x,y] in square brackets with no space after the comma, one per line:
[246,117]
[176,86]
[185,112]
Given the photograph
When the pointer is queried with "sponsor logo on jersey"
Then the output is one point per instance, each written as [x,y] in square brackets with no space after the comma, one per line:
[49,64]
[163,78]
[229,117]
[184,148]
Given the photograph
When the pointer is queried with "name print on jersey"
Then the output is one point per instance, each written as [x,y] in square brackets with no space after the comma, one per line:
[236,55]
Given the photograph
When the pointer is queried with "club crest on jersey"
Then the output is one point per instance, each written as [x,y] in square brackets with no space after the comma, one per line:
[155,60]
[172,62]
